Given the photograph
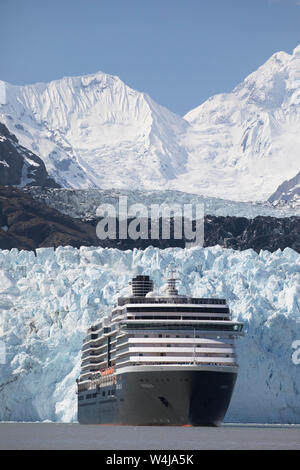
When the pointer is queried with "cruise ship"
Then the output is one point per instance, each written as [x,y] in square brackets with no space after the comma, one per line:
[159,359]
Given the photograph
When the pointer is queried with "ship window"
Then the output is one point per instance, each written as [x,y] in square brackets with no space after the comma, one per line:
[103,394]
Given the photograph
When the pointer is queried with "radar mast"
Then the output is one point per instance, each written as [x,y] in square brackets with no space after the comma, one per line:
[171,289]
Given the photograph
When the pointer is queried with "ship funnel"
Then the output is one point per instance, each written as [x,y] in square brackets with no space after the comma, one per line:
[141,285]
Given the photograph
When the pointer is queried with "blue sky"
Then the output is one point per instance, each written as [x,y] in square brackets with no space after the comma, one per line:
[180,52]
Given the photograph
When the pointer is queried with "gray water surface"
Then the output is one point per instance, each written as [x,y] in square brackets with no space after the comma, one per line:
[44,436]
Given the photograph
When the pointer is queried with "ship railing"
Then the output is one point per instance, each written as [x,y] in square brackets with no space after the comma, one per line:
[108,378]
[104,381]
[169,300]
[94,348]
[165,328]
[93,341]
[122,340]
[101,382]
[127,363]
[93,358]
[93,366]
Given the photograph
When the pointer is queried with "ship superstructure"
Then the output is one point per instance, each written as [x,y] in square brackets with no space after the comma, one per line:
[159,359]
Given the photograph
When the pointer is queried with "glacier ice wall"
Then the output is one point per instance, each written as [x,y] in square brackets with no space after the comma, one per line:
[47,302]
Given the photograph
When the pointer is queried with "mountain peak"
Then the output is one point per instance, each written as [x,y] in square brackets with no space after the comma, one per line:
[90,126]
[95,131]
[296,51]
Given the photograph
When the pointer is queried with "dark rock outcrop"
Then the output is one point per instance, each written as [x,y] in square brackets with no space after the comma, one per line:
[260,233]
[19,166]
[27,224]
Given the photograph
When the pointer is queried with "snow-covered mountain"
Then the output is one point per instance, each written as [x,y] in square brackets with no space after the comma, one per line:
[48,300]
[94,131]
[249,140]
[288,193]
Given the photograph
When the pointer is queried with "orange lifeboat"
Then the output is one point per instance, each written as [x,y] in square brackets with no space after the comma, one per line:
[108,371]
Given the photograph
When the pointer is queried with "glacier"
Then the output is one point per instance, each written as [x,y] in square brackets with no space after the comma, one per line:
[83,203]
[49,299]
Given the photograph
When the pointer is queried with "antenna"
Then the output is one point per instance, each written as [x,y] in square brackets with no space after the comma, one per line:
[172,280]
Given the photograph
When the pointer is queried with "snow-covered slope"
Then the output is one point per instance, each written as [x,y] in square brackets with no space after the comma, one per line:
[49,300]
[94,131]
[287,194]
[249,140]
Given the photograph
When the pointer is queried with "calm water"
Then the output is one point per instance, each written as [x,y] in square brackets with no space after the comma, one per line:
[74,436]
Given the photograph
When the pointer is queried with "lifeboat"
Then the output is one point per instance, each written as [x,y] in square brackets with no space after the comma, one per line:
[108,371]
